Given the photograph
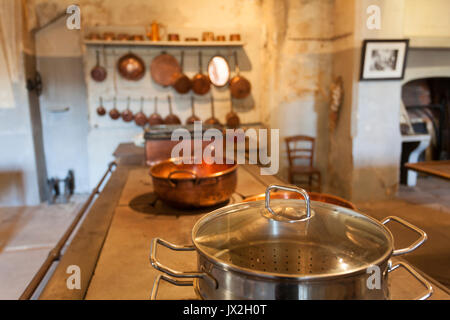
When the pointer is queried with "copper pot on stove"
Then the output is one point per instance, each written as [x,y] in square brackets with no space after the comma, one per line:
[193,185]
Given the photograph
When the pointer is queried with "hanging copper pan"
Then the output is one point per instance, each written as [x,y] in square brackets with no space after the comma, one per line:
[98,73]
[213,120]
[200,83]
[193,117]
[232,117]
[163,68]
[171,118]
[240,87]
[131,67]
[181,82]
[155,118]
[127,115]
[101,111]
[114,113]
[140,118]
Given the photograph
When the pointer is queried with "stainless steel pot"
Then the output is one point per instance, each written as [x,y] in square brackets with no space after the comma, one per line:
[290,249]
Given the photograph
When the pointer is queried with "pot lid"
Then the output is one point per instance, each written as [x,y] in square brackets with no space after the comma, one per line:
[292,238]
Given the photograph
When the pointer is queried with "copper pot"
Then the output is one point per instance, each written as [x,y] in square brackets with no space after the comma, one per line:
[109,36]
[208,36]
[314,196]
[235,37]
[137,37]
[123,37]
[193,185]
[173,37]
[94,36]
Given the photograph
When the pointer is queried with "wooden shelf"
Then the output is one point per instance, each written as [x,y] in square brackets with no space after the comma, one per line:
[193,44]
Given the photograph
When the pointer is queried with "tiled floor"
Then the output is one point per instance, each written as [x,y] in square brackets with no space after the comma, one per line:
[427,206]
[27,234]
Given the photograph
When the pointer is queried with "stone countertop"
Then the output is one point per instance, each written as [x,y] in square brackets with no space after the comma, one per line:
[119,268]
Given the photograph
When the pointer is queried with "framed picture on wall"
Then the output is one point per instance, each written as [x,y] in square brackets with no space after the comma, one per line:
[384,59]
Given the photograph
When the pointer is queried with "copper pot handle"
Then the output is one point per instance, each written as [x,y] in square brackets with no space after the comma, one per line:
[413,246]
[416,275]
[173,184]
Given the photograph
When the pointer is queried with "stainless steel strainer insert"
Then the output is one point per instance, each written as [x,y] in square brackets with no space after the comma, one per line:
[291,258]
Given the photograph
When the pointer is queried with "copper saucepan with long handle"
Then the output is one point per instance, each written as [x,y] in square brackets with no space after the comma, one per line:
[98,73]
[200,83]
[240,87]
[140,118]
[232,117]
[181,82]
[171,118]
[155,118]
[193,117]
[212,120]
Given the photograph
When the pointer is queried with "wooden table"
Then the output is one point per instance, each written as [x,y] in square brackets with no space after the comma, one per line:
[112,245]
[439,169]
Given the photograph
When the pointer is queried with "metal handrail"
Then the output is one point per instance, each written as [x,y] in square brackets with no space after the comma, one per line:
[55,253]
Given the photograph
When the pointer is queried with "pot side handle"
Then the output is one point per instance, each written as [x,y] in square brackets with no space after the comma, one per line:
[416,275]
[174,273]
[158,266]
[413,246]
[184,283]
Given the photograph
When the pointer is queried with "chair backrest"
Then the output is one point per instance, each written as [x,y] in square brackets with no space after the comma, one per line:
[300,147]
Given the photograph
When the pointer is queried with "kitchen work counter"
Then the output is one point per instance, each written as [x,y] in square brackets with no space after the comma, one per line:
[439,169]
[113,248]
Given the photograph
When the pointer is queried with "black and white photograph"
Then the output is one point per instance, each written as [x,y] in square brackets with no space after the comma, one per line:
[384,59]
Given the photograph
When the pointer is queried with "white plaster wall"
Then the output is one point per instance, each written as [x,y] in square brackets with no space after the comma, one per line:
[428,18]
[65,133]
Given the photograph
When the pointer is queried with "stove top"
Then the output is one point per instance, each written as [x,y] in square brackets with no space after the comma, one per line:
[149,203]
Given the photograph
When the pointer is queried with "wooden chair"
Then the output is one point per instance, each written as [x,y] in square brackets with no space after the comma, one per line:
[302,148]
